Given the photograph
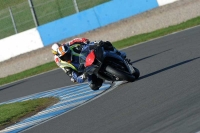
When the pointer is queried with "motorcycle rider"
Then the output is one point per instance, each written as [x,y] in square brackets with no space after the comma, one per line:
[66,57]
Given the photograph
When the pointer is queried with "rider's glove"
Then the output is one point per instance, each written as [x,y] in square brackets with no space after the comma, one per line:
[101,43]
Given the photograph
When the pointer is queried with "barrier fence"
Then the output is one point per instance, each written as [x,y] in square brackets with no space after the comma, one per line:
[20,15]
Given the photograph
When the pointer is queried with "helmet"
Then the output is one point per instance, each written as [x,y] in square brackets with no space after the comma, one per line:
[54,48]
[62,51]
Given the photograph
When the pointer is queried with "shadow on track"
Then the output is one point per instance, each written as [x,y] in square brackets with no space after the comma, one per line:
[167,68]
[150,56]
[11,85]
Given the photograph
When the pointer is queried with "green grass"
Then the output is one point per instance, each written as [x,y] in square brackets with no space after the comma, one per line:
[61,8]
[12,113]
[86,4]
[21,13]
[28,73]
[46,11]
[161,32]
[8,3]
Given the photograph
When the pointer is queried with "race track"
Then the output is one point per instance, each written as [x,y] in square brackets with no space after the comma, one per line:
[166,98]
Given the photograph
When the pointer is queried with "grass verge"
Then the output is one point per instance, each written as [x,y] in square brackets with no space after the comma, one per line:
[158,33]
[119,44]
[14,112]
[28,73]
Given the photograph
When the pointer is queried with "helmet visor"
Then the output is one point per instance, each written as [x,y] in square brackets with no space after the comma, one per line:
[67,56]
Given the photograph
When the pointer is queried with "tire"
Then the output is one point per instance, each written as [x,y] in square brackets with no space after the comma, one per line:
[94,87]
[136,73]
[120,74]
[96,83]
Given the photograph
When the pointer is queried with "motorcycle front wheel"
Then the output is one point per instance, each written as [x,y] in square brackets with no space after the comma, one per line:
[136,73]
[120,75]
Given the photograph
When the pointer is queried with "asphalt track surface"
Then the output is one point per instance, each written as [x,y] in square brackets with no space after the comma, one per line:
[166,98]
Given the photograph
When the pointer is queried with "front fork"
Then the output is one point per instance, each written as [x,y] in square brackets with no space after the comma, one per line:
[129,66]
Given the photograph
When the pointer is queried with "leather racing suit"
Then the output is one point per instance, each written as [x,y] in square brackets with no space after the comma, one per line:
[72,68]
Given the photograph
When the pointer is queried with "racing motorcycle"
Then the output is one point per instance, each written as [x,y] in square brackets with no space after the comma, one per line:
[107,64]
